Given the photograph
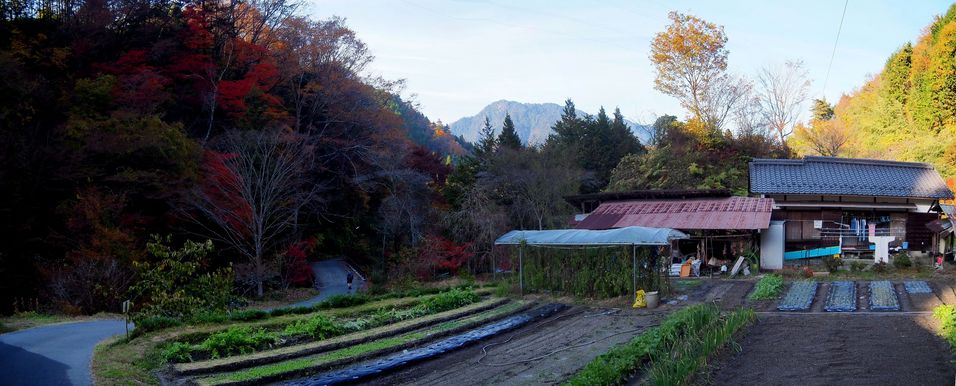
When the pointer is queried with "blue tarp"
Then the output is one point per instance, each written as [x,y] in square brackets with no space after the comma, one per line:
[806,254]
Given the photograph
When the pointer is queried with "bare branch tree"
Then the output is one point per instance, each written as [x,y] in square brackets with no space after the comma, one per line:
[253,191]
[782,92]
[721,98]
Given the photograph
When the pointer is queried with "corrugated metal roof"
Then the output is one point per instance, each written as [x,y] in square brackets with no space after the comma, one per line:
[847,176]
[720,213]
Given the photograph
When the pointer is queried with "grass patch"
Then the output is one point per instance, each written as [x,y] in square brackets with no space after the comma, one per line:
[769,287]
[674,348]
[946,314]
[117,362]
[328,358]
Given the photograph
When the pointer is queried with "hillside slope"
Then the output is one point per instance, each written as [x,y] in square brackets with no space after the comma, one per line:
[907,112]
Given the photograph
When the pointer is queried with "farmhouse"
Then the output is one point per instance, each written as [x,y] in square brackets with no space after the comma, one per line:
[825,205]
[720,226]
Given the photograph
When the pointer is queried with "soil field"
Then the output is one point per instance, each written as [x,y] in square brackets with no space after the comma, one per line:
[545,352]
[831,349]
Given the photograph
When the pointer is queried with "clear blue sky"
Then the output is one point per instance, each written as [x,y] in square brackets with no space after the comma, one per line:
[458,56]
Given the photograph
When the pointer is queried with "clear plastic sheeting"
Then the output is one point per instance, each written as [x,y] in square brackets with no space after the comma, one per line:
[584,237]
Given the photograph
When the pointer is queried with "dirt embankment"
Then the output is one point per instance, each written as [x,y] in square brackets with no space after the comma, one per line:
[831,349]
[546,352]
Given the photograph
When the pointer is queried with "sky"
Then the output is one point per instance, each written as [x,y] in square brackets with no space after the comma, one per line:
[457,56]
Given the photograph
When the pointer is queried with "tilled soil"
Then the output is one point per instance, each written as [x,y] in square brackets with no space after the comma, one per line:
[831,349]
[528,355]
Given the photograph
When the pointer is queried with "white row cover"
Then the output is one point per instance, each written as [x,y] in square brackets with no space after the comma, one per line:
[622,236]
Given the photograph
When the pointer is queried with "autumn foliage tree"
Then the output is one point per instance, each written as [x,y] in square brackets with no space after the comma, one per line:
[690,62]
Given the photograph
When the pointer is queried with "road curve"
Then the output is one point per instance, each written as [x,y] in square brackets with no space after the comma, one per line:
[60,354]
[330,280]
[56,354]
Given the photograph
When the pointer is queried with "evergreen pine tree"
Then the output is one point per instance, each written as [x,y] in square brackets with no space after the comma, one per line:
[625,140]
[486,143]
[509,137]
[822,110]
[568,130]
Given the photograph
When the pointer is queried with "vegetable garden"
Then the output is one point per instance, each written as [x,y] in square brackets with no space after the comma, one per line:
[251,347]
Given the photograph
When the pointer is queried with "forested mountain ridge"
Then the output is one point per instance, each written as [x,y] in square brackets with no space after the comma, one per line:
[126,119]
[533,121]
[906,112]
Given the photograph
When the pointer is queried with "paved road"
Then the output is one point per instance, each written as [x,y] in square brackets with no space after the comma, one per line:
[330,280]
[60,354]
[57,354]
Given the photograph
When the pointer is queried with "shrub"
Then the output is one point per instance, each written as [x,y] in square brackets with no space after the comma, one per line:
[857,266]
[178,352]
[769,287]
[317,327]
[237,340]
[209,317]
[832,262]
[172,283]
[902,260]
[154,323]
[880,267]
[455,298]
[807,272]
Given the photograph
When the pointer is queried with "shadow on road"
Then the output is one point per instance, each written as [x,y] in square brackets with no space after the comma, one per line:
[21,367]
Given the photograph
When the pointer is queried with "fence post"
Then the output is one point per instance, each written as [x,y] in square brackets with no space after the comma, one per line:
[521,269]
[633,270]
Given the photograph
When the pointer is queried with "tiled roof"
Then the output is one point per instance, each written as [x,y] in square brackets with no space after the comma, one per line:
[720,213]
[847,177]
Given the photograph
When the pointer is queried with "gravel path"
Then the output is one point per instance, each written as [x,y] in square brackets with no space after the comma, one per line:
[57,354]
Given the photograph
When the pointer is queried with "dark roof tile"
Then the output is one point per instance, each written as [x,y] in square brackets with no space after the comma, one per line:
[846,176]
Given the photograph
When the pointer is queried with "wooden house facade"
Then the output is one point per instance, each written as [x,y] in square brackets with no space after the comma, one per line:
[828,205]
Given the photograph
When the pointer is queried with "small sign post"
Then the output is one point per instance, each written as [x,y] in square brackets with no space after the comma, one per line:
[126,306]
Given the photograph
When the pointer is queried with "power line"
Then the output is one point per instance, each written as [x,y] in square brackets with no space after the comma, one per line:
[833,54]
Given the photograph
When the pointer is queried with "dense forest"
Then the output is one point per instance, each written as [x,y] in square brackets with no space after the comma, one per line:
[133,131]
[906,112]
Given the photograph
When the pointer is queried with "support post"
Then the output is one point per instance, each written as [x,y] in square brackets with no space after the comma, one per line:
[521,269]
[633,270]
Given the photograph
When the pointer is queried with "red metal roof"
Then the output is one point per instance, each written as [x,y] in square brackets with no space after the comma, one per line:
[716,213]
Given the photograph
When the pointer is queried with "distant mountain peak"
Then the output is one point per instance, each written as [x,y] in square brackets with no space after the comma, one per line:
[533,121]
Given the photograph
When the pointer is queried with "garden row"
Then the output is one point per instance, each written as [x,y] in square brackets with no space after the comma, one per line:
[670,353]
[244,339]
[302,360]
[135,360]
[146,324]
